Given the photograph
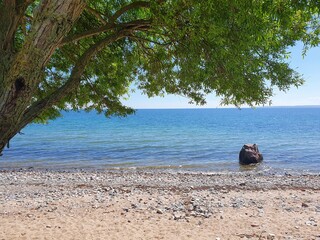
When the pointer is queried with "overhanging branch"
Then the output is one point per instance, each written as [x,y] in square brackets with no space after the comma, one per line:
[97,14]
[150,40]
[137,4]
[92,32]
[11,14]
[72,83]
[110,25]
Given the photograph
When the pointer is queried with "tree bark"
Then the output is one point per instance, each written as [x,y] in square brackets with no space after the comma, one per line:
[21,72]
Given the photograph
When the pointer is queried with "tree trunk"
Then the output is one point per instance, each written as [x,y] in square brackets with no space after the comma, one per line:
[21,72]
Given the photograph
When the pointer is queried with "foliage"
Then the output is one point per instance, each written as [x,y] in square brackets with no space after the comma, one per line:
[236,49]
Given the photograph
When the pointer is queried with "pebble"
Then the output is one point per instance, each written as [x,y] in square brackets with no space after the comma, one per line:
[178,216]
[159,211]
[134,206]
[311,223]
[111,186]
[271,236]
[255,225]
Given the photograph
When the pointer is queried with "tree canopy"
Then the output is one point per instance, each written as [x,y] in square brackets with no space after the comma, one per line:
[59,55]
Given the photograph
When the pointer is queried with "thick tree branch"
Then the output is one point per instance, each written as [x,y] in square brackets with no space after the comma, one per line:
[21,72]
[110,25]
[96,14]
[11,13]
[92,32]
[37,49]
[86,34]
[137,4]
[72,83]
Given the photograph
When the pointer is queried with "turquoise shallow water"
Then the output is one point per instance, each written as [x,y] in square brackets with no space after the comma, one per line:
[184,139]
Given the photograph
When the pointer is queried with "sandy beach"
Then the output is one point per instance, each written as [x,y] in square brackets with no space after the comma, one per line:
[157,205]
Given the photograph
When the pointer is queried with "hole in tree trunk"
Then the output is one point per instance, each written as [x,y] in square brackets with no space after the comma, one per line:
[20,84]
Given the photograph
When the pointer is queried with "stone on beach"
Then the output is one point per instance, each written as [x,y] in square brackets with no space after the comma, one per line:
[250,154]
[154,205]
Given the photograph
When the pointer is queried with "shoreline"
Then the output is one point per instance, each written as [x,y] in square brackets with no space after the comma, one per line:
[164,178]
[158,205]
[255,169]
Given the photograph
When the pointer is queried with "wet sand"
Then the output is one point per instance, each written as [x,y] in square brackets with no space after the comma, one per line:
[158,205]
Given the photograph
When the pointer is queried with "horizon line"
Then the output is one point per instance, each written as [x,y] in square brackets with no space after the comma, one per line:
[230,107]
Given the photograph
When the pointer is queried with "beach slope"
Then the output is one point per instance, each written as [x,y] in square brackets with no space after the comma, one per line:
[157,205]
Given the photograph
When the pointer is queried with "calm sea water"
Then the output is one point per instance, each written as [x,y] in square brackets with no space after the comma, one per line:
[184,139]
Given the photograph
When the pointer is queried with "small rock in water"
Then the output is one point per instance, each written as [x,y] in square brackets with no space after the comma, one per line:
[250,154]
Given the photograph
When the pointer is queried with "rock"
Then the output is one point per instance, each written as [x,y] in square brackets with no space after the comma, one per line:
[271,236]
[311,223]
[126,209]
[159,211]
[178,216]
[250,154]
[261,212]
[134,206]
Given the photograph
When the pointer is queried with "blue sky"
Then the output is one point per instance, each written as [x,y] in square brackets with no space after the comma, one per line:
[308,94]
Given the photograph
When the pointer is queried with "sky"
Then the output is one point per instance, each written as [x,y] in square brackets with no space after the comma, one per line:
[308,94]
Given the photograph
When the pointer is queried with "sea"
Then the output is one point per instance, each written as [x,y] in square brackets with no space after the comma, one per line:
[187,140]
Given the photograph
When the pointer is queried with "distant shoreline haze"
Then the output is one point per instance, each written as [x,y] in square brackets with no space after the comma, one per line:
[231,107]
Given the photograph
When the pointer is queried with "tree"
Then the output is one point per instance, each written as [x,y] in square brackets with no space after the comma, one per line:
[77,54]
